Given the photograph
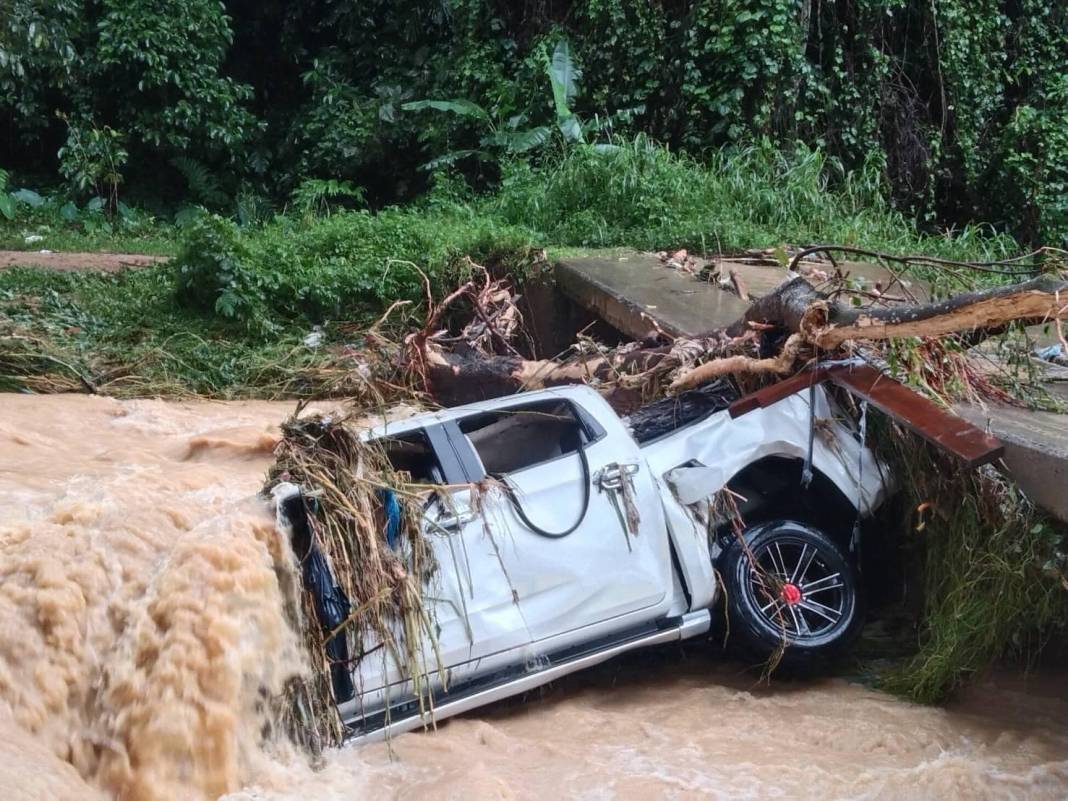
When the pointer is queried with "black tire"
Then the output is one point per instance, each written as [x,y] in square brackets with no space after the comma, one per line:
[804,604]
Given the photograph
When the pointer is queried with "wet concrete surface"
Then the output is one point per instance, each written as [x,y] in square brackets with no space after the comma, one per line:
[637,294]
[1036,450]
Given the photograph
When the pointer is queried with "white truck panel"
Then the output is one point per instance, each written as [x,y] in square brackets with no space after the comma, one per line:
[726,446]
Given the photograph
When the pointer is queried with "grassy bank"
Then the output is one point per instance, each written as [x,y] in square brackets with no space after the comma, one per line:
[227,317]
[640,195]
[993,568]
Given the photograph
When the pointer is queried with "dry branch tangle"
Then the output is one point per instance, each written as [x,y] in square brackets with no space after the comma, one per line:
[458,375]
[780,365]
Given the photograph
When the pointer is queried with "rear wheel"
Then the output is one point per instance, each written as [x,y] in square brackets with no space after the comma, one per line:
[790,589]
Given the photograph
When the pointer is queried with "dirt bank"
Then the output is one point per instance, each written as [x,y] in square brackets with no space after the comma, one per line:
[70,262]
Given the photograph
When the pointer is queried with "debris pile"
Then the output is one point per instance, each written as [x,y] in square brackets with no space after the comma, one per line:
[363,537]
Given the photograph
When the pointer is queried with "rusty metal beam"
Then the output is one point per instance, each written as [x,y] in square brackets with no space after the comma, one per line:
[936,425]
[773,393]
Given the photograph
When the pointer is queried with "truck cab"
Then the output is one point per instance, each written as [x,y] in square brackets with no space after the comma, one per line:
[560,540]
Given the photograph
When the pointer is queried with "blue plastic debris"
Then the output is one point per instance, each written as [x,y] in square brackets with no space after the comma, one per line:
[393,515]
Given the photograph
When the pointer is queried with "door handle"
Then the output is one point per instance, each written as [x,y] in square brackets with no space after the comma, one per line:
[454,522]
[614,480]
[612,476]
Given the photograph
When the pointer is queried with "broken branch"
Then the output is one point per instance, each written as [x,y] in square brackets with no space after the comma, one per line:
[780,365]
[828,326]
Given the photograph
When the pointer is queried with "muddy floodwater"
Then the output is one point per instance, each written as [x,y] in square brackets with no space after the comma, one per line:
[141,625]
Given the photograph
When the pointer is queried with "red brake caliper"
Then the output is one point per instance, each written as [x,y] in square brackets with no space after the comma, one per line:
[791,594]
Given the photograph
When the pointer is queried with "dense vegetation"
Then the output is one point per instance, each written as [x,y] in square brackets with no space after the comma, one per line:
[958,106]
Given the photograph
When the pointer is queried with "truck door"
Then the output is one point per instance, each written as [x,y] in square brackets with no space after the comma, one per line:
[467,596]
[578,547]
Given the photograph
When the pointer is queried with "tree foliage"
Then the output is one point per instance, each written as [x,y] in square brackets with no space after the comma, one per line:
[961,102]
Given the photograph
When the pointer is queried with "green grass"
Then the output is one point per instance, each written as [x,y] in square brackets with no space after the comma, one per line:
[994,569]
[154,241]
[642,196]
[59,225]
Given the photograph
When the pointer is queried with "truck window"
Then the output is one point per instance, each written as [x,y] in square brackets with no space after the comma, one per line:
[413,454]
[512,439]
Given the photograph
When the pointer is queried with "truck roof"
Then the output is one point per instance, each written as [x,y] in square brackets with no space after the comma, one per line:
[574,392]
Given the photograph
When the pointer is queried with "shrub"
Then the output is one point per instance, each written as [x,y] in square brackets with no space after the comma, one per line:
[349,265]
[215,273]
[92,160]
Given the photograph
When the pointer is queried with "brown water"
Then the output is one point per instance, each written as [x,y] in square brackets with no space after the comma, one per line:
[141,622]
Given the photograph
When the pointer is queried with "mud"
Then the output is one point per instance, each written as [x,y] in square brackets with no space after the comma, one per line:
[141,626]
[73,262]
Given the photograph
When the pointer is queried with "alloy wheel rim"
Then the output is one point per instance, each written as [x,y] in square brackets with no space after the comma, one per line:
[795,590]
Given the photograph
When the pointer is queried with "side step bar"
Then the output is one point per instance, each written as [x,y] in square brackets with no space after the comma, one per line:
[689,625]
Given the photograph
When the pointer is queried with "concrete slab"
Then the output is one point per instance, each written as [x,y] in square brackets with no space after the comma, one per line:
[1036,450]
[762,277]
[637,293]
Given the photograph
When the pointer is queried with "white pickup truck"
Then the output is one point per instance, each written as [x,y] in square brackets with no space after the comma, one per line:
[602,543]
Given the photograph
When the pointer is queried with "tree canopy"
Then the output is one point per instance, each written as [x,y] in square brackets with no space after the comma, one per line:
[960,104]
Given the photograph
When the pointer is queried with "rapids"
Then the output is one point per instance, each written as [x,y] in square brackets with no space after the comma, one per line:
[142,586]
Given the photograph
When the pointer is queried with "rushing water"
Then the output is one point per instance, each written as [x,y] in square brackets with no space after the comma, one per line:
[141,625]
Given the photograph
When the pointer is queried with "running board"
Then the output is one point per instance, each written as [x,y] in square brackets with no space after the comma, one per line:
[688,625]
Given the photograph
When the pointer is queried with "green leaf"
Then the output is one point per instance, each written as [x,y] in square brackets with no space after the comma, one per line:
[227,303]
[523,141]
[203,186]
[29,197]
[571,128]
[187,215]
[7,206]
[448,159]
[464,108]
[515,121]
[564,76]
[69,212]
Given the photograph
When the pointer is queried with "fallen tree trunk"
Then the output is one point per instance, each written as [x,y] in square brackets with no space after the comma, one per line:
[797,307]
[783,308]
[1033,302]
